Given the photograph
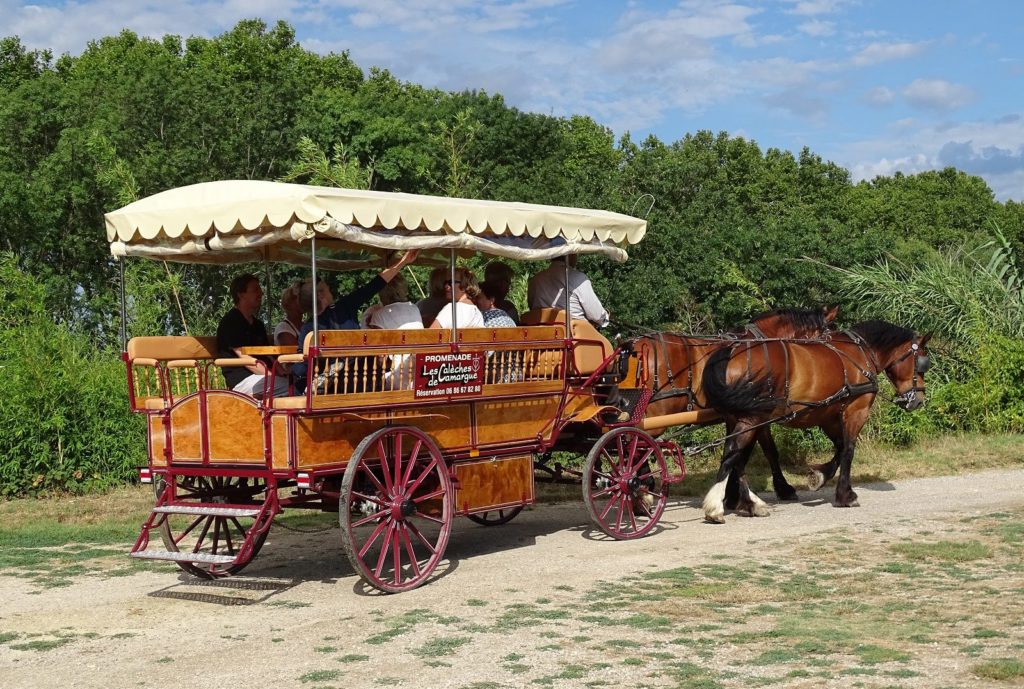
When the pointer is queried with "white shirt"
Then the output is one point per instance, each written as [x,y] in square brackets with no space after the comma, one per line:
[401,315]
[468,314]
[285,327]
[546,291]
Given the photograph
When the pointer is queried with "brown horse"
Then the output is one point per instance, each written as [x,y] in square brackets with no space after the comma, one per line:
[829,385]
[676,364]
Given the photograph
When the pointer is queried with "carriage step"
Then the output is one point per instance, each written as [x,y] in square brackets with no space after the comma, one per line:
[207,511]
[205,558]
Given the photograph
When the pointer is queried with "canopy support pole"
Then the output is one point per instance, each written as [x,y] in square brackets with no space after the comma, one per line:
[568,327]
[270,284]
[455,318]
[316,291]
[124,310]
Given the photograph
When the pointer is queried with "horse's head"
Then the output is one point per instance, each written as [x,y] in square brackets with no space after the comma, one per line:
[796,323]
[906,372]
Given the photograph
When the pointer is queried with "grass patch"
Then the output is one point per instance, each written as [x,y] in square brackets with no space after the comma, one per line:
[444,646]
[945,551]
[1000,669]
[42,644]
[320,676]
[872,654]
[353,658]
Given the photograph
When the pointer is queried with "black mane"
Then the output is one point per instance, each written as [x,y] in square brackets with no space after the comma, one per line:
[806,319]
[882,334]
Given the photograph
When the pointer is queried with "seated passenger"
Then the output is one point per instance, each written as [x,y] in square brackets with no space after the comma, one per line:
[430,306]
[486,301]
[546,290]
[464,291]
[342,314]
[287,331]
[500,275]
[395,311]
[502,366]
[241,328]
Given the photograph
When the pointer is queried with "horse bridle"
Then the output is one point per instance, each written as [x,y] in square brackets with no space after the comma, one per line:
[921,365]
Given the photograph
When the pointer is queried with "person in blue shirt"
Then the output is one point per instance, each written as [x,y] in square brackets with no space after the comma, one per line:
[342,314]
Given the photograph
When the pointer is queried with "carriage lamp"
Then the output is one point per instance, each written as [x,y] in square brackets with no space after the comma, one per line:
[145,475]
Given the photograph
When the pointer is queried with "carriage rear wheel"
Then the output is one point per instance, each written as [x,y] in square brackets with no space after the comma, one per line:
[625,483]
[396,508]
[209,534]
[495,517]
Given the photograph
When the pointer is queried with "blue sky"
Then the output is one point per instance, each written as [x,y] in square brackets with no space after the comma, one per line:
[875,86]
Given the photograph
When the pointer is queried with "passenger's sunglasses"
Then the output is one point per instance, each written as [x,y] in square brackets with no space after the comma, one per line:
[448,283]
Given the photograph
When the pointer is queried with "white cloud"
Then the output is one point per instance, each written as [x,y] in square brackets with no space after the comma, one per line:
[879,97]
[937,94]
[876,53]
[817,27]
[992,149]
[815,7]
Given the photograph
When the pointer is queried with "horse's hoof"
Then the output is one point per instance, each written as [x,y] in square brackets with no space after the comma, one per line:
[789,495]
[815,479]
[714,518]
[760,510]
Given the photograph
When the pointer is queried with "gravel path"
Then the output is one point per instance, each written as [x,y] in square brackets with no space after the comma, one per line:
[299,606]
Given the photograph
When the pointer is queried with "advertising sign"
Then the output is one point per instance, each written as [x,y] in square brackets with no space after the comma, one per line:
[449,374]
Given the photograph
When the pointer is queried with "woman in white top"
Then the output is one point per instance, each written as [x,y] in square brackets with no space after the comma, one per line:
[465,292]
[287,331]
[395,311]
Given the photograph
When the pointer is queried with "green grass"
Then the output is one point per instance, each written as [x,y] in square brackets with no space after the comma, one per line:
[945,551]
[1000,669]
[320,676]
[443,646]
[42,644]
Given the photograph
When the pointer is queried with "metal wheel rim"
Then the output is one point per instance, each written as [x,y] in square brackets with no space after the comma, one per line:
[620,511]
[392,548]
[503,516]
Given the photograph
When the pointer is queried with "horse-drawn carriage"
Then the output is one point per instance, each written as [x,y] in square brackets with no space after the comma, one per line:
[455,434]
[397,450]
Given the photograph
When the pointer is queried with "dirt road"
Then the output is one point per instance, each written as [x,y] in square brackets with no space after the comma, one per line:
[299,617]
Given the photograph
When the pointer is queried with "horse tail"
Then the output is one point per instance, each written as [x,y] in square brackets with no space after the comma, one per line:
[749,394]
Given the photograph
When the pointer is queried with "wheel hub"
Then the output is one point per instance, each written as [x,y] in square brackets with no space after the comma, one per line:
[406,508]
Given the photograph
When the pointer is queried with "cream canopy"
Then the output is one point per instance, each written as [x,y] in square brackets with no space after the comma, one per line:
[238,221]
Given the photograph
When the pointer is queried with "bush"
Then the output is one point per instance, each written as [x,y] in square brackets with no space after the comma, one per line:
[64,419]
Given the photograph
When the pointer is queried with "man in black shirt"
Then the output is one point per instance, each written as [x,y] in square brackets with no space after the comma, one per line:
[241,328]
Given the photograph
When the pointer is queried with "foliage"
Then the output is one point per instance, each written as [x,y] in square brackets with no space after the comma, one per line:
[65,421]
[131,116]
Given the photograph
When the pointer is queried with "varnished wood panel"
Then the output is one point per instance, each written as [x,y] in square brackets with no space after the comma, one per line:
[447,424]
[186,444]
[515,420]
[494,483]
[157,440]
[330,440]
[236,429]
[279,441]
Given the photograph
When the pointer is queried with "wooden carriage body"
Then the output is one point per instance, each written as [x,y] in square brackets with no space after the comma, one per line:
[488,434]
[398,431]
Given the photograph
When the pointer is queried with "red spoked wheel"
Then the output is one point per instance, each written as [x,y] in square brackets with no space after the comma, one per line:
[495,517]
[625,483]
[215,533]
[396,510]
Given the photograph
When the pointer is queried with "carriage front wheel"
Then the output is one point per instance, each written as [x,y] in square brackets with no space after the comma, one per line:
[396,508]
[625,483]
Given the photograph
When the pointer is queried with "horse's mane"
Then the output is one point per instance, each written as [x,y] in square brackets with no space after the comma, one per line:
[805,319]
[882,334]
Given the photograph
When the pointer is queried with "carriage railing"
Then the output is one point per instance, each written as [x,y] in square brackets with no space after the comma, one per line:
[357,368]
[164,369]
